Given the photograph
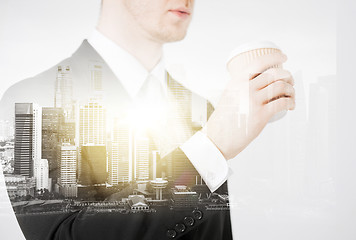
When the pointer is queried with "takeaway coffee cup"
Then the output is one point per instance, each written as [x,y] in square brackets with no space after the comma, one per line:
[245,54]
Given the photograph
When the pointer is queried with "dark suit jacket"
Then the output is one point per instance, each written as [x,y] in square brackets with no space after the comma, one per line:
[197,221]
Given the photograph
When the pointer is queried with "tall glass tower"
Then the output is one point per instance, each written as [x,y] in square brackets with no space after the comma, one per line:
[28,137]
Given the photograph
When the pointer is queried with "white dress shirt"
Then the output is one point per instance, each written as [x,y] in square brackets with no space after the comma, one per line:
[202,153]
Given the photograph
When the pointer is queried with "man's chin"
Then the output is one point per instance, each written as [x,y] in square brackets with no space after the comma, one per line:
[173,37]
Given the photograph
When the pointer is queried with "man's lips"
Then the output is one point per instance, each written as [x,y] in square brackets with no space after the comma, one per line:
[180,12]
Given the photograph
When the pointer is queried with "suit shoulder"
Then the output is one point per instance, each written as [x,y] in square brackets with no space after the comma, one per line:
[38,89]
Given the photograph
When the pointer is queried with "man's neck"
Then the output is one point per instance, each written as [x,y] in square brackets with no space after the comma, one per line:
[119,28]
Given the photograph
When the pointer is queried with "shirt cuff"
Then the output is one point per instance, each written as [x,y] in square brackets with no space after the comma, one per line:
[207,160]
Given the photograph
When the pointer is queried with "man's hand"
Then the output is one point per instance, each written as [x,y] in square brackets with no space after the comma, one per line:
[252,96]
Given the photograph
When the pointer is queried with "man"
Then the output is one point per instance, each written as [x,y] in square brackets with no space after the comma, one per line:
[118,73]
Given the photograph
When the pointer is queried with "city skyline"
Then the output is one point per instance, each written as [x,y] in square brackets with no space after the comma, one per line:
[66,140]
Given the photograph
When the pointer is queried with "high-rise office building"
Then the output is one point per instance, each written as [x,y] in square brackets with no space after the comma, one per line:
[120,164]
[41,173]
[93,165]
[92,128]
[27,137]
[68,170]
[63,97]
[142,158]
[23,164]
[52,120]
[67,131]
[96,77]
[92,125]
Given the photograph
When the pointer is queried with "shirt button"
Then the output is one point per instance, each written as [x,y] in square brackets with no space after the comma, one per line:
[189,221]
[180,227]
[171,234]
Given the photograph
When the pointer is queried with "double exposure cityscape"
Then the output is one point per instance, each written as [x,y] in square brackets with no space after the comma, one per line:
[69,155]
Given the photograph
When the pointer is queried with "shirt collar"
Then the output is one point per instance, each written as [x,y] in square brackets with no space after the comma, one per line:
[126,67]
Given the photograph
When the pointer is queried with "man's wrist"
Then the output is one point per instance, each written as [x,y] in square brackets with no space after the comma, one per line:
[207,160]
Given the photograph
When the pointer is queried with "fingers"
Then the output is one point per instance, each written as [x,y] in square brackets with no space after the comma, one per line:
[276,90]
[262,63]
[280,104]
[270,76]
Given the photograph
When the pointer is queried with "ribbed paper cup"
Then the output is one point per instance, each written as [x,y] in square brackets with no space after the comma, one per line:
[242,56]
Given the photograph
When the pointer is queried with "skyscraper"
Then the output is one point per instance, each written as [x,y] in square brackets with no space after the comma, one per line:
[27,137]
[92,124]
[52,120]
[68,170]
[142,158]
[92,127]
[119,164]
[63,97]
[93,165]
[96,77]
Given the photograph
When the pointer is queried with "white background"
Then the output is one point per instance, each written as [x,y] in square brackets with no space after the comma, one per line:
[295,181]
